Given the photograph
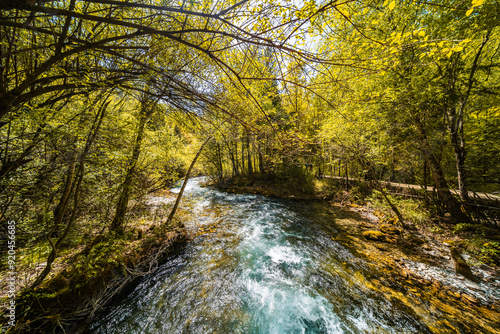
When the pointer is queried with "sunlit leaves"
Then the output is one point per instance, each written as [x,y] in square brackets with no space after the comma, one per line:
[475,3]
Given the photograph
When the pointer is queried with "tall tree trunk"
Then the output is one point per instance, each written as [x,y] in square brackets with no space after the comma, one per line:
[231,157]
[236,160]
[452,205]
[233,163]
[219,162]
[458,143]
[179,196]
[249,155]
[117,225]
[261,161]
[242,155]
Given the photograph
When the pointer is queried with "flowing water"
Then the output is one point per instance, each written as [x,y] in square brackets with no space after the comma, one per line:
[259,265]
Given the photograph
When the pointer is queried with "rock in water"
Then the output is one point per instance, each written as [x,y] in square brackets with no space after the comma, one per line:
[461,267]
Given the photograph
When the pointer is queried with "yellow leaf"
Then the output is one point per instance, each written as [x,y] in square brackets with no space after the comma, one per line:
[392,5]
[469,11]
[421,33]
[476,3]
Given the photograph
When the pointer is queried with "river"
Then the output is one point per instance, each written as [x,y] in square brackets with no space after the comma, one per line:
[261,265]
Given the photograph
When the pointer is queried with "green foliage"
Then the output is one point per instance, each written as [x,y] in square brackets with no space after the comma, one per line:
[482,128]
[465,227]
[297,179]
[490,252]
[102,259]
[327,188]
[360,192]
[411,209]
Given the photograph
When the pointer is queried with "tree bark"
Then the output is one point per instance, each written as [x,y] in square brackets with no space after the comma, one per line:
[453,207]
[117,225]
[249,155]
[458,143]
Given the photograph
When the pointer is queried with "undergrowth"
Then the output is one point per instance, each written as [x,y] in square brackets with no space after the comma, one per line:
[412,210]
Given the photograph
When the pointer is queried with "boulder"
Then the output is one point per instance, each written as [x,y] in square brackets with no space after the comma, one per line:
[461,267]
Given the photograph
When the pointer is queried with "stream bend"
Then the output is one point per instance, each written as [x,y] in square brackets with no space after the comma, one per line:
[258,265]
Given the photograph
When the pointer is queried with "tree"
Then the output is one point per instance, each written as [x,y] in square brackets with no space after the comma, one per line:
[146,109]
[421,65]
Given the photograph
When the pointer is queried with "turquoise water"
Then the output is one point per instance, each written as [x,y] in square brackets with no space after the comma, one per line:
[258,265]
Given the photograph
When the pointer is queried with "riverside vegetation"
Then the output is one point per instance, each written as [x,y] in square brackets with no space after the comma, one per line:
[105,105]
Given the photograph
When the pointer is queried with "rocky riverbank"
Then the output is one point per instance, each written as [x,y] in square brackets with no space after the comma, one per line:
[411,266]
[412,261]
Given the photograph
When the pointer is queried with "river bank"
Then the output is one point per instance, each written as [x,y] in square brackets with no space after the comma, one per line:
[85,280]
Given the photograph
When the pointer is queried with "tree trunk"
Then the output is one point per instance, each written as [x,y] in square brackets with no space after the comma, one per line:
[261,162]
[454,208]
[231,157]
[242,156]
[220,163]
[236,160]
[117,225]
[249,156]
[458,143]
[179,196]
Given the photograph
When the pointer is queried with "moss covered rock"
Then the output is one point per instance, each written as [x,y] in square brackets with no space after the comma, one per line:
[461,267]
[374,235]
[390,229]
[414,240]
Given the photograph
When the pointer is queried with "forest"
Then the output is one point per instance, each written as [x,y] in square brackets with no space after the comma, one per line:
[106,102]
